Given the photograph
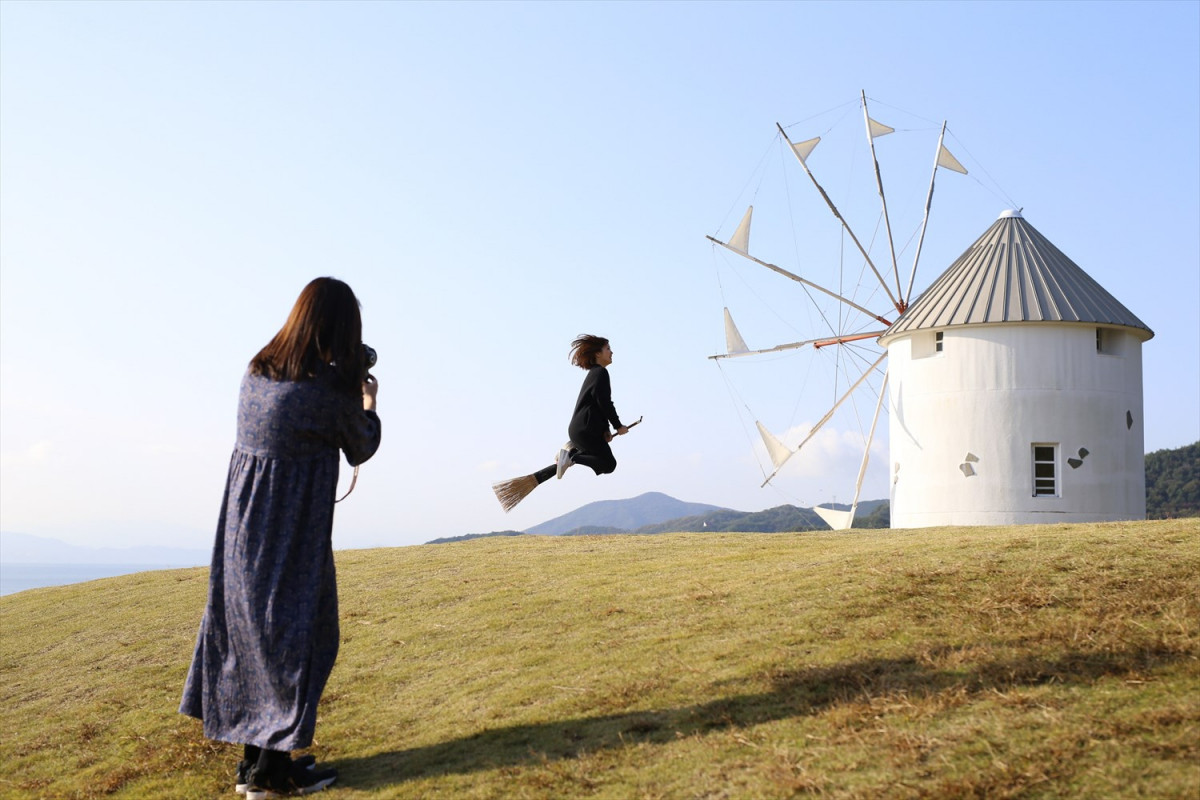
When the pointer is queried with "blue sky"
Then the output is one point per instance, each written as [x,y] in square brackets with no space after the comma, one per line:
[495,178]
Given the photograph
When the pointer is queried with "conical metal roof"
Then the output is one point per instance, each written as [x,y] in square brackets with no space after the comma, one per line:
[1014,274]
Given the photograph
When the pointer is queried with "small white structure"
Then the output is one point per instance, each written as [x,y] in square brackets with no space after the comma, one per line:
[1015,392]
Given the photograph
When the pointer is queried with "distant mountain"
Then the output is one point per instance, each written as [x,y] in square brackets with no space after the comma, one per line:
[869,514]
[624,515]
[771,520]
[21,548]
[655,512]
[468,536]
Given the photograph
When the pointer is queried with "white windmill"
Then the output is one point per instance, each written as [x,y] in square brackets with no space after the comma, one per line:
[859,343]
[1014,381]
[1015,392]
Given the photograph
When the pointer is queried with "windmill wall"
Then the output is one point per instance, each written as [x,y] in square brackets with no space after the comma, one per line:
[967,419]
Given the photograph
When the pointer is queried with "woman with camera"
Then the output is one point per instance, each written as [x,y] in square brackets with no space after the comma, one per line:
[269,636]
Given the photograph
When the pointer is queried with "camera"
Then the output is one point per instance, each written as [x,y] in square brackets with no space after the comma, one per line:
[369,358]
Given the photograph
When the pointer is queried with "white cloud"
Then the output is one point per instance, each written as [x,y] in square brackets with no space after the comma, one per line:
[828,464]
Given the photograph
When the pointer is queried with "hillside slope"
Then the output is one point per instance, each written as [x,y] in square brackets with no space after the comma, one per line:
[1033,662]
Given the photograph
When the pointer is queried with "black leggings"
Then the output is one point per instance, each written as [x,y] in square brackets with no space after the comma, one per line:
[595,453]
[598,456]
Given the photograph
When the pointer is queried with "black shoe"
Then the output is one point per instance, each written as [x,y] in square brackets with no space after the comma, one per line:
[243,777]
[243,771]
[245,781]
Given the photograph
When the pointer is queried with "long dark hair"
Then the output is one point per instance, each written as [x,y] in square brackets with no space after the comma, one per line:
[585,349]
[323,333]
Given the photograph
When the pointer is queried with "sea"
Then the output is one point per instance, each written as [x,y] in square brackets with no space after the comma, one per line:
[15,577]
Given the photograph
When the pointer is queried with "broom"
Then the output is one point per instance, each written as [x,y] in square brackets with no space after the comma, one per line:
[514,490]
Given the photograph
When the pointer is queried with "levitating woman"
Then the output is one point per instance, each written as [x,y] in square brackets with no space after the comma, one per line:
[269,635]
[588,429]
[594,410]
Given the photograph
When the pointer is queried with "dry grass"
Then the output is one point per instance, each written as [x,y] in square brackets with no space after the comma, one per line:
[1021,662]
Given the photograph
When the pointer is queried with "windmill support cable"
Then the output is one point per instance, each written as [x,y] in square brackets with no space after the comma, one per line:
[734,402]
[862,470]
[925,220]
[882,197]
[840,219]
[844,520]
[797,278]
[828,416]
[998,191]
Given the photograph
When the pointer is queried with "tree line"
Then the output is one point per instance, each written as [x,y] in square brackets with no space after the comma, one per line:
[1173,483]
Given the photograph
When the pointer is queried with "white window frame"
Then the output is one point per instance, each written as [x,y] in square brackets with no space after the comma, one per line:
[1043,484]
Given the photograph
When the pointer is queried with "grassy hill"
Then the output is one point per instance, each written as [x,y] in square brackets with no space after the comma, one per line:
[1019,662]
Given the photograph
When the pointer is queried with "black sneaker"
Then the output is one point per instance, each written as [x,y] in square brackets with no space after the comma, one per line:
[243,771]
[243,777]
[244,785]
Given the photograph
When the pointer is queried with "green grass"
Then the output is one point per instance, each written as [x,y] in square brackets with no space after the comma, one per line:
[1017,662]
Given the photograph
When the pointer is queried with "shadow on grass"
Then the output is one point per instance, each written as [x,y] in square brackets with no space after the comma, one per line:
[796,693]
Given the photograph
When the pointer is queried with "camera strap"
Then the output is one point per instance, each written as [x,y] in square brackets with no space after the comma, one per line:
[353,481]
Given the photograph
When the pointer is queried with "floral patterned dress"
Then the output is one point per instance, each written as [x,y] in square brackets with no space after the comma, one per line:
[269,635]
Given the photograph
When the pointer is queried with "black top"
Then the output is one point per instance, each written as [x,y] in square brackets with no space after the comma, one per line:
[594,410]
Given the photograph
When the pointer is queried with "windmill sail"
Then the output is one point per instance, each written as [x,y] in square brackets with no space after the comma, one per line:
[877,129]
[805,148]
[734,343]
[741,236]
[946,159]
[836,519]
[778,451]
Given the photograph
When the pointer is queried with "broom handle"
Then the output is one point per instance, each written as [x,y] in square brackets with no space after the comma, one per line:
[628,428]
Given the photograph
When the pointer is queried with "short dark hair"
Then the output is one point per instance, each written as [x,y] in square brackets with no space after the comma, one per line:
[323,331]
[585,349]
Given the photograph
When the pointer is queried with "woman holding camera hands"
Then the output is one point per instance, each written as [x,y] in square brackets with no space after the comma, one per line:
[269,636]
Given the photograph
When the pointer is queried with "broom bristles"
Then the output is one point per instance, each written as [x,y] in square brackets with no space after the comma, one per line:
[513,491]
